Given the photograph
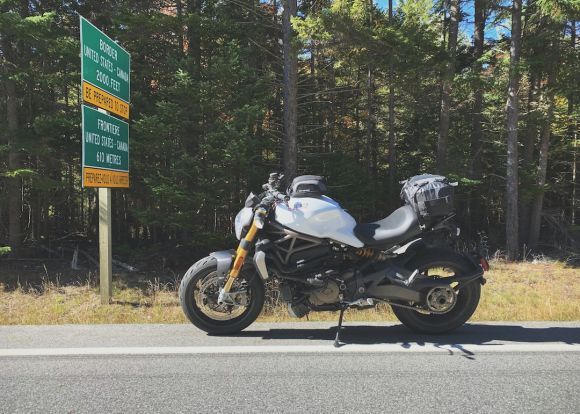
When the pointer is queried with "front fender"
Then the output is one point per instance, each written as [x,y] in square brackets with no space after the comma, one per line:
[224,260]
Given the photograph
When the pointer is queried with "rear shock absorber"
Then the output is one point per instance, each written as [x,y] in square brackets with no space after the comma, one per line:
[370,253]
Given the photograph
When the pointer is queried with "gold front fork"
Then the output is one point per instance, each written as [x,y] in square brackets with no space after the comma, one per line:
[241,253]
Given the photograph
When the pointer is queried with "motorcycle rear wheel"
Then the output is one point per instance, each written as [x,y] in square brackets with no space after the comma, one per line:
[201,308]
[467,297]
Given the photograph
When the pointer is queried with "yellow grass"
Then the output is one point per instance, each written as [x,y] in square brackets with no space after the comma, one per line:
[514,291]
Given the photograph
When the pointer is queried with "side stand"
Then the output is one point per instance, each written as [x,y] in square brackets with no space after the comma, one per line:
[337,339]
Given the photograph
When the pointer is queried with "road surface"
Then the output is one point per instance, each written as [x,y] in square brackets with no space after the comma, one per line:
[490,368]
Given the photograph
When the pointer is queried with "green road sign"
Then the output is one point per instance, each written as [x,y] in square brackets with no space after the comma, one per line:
[104,63]
[105,141]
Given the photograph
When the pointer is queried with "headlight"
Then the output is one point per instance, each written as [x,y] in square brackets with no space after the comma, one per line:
[243,219]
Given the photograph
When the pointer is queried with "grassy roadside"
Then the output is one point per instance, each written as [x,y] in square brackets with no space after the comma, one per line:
[514,291]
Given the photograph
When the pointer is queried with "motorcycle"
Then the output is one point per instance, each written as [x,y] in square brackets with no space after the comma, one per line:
[322,260]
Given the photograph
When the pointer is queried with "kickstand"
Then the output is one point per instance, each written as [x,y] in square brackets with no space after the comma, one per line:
[337,339]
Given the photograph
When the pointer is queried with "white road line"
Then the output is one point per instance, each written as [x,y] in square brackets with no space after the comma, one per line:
[460,349]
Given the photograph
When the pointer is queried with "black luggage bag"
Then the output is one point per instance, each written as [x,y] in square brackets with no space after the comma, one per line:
[431,196]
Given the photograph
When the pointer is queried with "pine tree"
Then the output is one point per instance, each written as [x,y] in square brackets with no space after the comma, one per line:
[447,85]
[512,115]
[290,86]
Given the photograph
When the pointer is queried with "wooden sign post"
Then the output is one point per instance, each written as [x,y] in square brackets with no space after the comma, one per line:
[105,246]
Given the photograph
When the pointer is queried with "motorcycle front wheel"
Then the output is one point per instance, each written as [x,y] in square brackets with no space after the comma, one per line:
[442,263]
[199,291]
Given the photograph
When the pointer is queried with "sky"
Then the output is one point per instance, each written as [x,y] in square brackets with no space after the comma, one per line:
[466,26]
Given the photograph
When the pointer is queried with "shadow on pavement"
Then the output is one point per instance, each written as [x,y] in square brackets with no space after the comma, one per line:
[469,334]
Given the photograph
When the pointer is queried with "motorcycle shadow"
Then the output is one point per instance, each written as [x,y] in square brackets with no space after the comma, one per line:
[469,334]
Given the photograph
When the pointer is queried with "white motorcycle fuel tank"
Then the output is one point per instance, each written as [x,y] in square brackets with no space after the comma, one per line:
[320,217]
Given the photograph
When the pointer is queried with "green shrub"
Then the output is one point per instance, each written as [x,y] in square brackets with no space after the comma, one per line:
[4,250]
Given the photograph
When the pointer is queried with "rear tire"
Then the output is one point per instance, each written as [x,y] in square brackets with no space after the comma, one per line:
[467,298]
[194,313]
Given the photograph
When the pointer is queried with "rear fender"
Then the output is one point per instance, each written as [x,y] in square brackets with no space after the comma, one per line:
[409,247]
[479,263]
[408,251]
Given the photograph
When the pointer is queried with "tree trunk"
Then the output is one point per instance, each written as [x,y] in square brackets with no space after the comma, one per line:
[193,48]
[573,130]
[180,35]
[476,133]
[536,215]
[331,135]
[447,87]
[370,124]
[474,211]
[357,122]
[536,211]
[512,115]
[392,143]
[194,38]
[531,131]
[529,142]
[13,184]
[290,144]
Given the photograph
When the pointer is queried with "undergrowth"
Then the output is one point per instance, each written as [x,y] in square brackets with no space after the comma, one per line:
[540,290]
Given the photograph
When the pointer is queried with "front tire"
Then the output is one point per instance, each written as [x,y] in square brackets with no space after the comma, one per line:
[467,297]
[194,302]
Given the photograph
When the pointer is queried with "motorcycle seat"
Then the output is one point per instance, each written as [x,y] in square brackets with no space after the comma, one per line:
[399,226]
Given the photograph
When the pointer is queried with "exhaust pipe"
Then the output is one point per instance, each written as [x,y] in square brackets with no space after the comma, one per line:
[394,292]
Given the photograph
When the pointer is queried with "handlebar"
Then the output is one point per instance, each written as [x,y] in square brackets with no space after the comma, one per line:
[282,196]
[268,198]
[271,196]
[272,193]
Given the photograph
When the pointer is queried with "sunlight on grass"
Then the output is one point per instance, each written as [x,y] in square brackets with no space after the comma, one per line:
[514,291]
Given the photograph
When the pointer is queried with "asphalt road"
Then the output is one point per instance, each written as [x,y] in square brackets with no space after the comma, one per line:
[511,367]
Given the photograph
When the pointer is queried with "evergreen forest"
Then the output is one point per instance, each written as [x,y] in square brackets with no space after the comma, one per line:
[363,92]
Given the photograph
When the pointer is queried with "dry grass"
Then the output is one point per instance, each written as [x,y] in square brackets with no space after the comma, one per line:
[514,291]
